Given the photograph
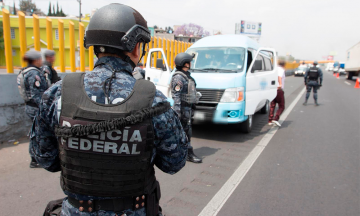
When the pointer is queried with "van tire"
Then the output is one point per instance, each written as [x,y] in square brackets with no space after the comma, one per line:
[266,108]
[246,126]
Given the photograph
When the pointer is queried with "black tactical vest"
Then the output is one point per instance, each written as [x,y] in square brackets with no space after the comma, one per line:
[313,73]
[114,163]
[190,96]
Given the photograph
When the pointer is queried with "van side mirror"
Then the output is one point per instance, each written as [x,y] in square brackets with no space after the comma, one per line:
[257,66]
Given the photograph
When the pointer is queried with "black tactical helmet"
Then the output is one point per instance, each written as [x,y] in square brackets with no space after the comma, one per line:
[315,62]
[116,26]
[183,58]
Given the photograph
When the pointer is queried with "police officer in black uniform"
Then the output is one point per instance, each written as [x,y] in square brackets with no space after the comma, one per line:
[48,67]
[313,80]
[105,130]
[183,90]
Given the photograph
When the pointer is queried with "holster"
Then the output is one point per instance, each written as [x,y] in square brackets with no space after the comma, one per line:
[53,208]
[153,200]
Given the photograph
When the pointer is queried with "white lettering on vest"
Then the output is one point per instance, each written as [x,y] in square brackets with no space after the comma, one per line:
[125,137]
[124,149]
[85,144]
[117,100]
[73,143]
[134,149]
[136,136]
[110,136]
[97,147]
[110,146]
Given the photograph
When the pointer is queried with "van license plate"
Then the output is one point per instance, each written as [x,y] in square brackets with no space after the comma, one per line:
[199,116]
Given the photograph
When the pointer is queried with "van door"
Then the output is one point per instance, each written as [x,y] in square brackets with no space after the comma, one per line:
[261,80]
[157,70]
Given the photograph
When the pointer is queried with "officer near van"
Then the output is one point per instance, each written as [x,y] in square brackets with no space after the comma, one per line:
[48,67]
[32,84]
[105,130]
[183,91]
[313,80]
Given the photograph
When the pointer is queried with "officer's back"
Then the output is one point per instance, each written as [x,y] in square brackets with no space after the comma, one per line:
[107,159]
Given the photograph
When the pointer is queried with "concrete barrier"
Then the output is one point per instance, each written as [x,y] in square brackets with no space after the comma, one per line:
[14,123]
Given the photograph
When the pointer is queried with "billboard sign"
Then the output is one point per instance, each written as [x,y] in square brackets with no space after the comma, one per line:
[248,28]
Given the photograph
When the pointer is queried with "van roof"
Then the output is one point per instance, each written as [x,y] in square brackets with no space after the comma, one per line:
[226,41]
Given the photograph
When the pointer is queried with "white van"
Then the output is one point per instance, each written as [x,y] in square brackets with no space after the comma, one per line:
[235,76]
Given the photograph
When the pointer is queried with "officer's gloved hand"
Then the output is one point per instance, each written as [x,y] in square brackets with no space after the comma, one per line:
[198,96]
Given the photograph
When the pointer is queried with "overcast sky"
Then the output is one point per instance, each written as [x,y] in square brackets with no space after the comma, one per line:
[306,29]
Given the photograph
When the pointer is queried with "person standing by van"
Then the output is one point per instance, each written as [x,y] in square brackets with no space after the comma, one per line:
[183,92]
[279,99]
[32,84]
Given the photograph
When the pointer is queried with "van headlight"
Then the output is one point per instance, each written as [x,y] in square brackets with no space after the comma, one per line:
[232,95]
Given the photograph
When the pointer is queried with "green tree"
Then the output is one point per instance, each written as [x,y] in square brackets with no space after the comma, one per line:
[49,11]
[53,13]
[57,9]
[1,36]
[27,6]
[62,13]
[14,9]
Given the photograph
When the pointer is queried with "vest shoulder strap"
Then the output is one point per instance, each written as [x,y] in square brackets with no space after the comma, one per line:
[182,74]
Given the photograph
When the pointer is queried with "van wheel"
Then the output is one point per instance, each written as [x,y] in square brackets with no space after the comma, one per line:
[246,126]
[266,108]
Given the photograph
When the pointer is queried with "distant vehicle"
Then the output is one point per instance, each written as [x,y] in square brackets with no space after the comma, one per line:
[300,71]
[352,66]
[341,69]
[330,66]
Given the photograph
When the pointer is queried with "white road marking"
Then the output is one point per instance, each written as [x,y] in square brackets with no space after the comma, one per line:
[347,83]
[220,198]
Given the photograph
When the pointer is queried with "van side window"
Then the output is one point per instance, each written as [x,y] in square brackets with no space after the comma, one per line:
[268,65]
[259,57]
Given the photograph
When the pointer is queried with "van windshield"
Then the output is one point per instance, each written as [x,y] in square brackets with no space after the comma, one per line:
[217,59]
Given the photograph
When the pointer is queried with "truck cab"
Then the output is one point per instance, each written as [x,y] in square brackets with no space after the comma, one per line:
[235,76]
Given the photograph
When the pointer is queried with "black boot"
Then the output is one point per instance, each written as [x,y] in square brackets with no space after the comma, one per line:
[192,157]
[34,164]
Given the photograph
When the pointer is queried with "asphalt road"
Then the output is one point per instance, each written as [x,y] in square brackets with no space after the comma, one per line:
[310,167]
[312,164]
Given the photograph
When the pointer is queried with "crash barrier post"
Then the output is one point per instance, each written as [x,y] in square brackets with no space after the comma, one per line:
[36,32]
[7,41]
[61,45]
[82,48]
[49,40]
[22,34]
[72,46]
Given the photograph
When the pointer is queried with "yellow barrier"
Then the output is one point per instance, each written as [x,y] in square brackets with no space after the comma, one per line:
[168,51]
[91,58]
[49,33]
[36,29]
[61,45]
[7,40]
[155,54]
[22,33]
[82,48]
[57,42]
[72,47]
[172,54]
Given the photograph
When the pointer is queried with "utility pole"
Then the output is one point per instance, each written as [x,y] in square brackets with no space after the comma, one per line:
[79,10]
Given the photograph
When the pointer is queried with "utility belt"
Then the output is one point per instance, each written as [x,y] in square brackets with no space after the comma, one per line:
[118,205]
[32,104]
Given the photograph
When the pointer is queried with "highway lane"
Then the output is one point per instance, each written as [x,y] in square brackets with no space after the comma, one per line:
[223,148]
[311,166]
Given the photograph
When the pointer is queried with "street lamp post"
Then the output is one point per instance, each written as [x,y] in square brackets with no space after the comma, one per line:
[79,10]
